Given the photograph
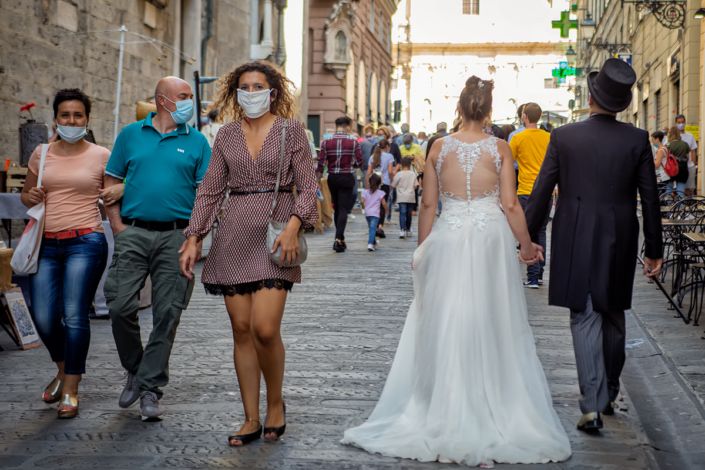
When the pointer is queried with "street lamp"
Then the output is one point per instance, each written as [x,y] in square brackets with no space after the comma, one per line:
[587,27]
[570,54]
[699,14]
[199,80]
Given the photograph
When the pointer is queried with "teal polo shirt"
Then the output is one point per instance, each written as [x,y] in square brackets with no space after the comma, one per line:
[161,172]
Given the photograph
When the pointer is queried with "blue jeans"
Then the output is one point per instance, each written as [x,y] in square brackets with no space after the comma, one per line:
[372,223]
[62,291]
[680,187]
[405,209]
[534,272]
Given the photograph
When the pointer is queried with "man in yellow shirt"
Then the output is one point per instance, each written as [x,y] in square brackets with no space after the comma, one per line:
[529,149]
[410,149]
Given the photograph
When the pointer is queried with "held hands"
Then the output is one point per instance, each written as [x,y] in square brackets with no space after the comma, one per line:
[190,252]
[652,267]
[112,194]
[36,195]
[288,241]
[531,254]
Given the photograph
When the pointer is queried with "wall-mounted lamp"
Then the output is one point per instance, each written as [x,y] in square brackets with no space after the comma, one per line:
[699,14]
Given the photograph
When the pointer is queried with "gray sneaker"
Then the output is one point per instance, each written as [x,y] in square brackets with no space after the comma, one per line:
[130,393]
[149,407]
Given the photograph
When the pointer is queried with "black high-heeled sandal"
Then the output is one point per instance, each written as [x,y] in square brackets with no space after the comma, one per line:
[279,431]
[246,438]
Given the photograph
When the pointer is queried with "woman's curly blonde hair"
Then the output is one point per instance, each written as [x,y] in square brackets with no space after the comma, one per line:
[226,100]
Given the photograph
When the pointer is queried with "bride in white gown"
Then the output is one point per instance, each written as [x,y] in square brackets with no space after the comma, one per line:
[466,385]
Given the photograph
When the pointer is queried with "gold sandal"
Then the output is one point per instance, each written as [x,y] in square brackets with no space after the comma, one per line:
[52,392]
[69,406]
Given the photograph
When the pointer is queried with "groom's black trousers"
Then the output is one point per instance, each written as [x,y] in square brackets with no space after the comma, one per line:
[598,341]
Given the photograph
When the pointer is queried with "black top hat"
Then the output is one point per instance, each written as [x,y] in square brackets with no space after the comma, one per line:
[611,87]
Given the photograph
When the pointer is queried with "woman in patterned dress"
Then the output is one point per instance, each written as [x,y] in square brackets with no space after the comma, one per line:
[256,97]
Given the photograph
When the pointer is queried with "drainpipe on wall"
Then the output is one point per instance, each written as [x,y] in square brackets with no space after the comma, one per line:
[207,33]
[176,67]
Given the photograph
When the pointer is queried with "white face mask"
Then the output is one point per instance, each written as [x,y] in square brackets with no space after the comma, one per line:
[71,134]
[254,104]
[680,126]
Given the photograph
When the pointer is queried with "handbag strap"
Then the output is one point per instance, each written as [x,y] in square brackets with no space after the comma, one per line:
[279,170]
[42,161]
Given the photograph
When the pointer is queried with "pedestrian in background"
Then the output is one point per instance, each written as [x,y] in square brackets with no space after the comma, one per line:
[367,146]
[161,160]
[385,132]
[373,200]
[507,130]
[423,141]
[405,183]
[412,150]
[689,139]
[240,185]
[529,149]
[520,113]
[660,157]
[680,150]
[341,154]
[74,251]
[382,164]
[212,126]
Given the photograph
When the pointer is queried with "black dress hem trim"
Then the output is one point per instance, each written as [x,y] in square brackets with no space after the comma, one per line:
[248,287]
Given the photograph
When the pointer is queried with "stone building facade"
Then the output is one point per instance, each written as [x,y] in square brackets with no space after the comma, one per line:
[667,61]
[50,44]
[348,45]
[477,38]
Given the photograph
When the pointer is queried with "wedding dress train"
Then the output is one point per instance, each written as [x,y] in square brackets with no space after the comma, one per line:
[466,384]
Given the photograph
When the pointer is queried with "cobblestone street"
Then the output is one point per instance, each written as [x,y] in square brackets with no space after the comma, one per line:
[340,329]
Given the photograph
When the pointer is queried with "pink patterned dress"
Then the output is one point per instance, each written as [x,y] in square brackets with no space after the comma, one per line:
[238,262]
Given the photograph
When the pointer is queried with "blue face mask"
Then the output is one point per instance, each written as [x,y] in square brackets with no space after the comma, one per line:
[184,110]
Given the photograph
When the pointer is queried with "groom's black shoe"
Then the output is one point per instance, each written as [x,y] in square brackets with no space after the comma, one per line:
[590,423]
[609,409]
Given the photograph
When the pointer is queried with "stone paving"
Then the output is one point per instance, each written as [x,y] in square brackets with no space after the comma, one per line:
[340,329]
[667,378]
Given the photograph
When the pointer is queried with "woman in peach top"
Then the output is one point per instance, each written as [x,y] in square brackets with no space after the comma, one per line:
[74,250]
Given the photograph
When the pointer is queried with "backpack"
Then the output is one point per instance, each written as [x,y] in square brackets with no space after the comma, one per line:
[670,166]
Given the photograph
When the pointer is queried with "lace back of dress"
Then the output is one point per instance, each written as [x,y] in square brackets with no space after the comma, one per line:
[468,171]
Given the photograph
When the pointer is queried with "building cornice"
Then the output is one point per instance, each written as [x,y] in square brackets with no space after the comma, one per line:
[487,48]
[390,6]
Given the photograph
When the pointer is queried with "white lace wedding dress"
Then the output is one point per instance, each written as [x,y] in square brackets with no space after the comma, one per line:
[466,384]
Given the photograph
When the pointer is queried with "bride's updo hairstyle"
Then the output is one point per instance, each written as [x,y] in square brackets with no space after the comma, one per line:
[475,102]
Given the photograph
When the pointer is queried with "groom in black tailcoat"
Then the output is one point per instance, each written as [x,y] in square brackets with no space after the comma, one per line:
[599,165]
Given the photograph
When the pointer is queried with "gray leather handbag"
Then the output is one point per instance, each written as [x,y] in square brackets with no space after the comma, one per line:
[274,229]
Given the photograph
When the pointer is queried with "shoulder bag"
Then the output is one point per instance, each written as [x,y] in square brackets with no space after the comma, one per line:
[25,259]
[274,229]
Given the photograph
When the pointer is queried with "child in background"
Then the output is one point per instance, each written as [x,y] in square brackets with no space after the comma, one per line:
[405,183]
[372,199]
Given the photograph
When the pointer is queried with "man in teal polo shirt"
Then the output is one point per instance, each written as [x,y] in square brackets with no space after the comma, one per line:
[161,160]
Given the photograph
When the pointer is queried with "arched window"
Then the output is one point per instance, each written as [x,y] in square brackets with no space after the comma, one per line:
[350,89]
[374,98]
[382,101]
[362,94]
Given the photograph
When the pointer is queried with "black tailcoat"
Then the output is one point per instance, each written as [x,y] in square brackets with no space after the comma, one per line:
[599,165]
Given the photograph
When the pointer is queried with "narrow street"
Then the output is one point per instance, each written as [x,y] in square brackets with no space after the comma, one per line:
[340,329]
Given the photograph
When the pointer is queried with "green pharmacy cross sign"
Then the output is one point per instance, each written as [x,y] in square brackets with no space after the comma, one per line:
[565,24]
[563,71]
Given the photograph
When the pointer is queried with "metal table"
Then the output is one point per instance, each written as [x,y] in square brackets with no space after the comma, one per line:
[11,208]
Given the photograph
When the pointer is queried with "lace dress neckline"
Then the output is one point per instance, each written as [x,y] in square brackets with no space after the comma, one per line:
[464,156]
